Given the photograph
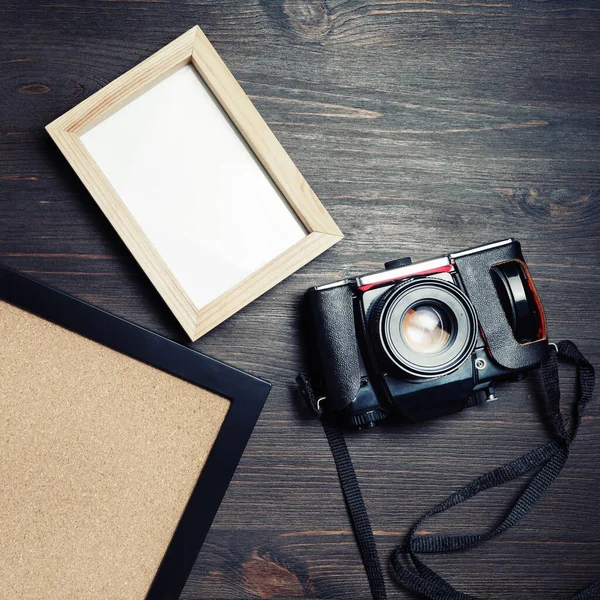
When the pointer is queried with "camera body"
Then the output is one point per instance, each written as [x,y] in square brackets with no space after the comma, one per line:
[422,340]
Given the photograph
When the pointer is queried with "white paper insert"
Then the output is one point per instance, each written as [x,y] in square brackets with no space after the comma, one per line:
[194,186]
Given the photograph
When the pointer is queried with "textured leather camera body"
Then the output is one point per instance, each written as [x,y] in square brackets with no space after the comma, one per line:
[362,377]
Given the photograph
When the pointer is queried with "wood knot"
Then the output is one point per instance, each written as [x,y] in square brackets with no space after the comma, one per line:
[265,577]
[34,89]
[310,19]
[551,203]
[532,202]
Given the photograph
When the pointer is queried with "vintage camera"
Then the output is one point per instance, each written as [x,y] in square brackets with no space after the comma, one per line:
[421,340]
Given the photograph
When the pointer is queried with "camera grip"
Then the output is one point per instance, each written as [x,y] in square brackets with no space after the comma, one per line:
[333,316]
[474,271]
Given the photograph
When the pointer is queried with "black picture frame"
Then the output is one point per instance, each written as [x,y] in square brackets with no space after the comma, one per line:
[246,393]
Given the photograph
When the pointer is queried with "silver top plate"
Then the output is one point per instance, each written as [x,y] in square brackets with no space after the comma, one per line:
[482,248]
[334,284]
[372,279]
[403,272]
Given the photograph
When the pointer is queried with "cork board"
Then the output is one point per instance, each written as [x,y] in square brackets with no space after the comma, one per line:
[106,427]
[100,454]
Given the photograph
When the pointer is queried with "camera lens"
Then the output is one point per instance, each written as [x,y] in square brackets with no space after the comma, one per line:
[427,327]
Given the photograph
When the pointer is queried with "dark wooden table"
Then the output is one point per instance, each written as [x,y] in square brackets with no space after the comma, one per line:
[424,127]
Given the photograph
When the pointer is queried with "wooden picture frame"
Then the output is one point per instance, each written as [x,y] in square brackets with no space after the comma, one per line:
[193,48]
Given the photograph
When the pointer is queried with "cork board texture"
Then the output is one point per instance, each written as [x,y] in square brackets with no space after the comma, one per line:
[99,455]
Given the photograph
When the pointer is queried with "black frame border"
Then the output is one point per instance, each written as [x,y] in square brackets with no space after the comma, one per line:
[246,393]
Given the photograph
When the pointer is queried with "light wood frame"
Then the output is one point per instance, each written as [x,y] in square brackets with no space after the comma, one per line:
[193,47]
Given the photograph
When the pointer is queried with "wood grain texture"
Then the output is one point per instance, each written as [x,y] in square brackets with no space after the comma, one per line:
[423,127]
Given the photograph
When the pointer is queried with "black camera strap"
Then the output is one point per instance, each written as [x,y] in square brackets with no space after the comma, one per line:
[547,460]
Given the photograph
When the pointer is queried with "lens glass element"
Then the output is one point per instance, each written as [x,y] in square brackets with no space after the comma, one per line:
[426,328]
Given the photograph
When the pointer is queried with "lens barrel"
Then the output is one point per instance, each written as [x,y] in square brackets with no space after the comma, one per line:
[427,327]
